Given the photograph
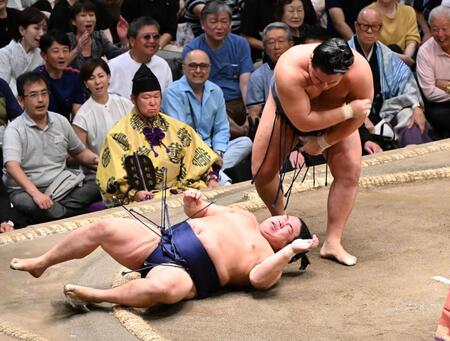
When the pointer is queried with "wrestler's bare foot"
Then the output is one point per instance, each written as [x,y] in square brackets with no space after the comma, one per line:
[337,253]
[32,265]
[79,296]
[304,245]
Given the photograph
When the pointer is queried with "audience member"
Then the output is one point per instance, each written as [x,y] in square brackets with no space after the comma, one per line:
[86,42]
[35,146]
[231,62]
[342,16]
[66,90]
[276,38]
[297,14]
[196,101]
[9,22]
[433,71]
[102,110]
[164,12]
[22,54]
[194,8]
[143,35]
[167,153]
[60,18]
[397,98]
[399,28]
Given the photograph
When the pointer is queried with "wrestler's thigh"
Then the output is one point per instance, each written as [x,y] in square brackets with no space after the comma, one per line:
[344,158]
[173,282]
[128,241]
[267,152]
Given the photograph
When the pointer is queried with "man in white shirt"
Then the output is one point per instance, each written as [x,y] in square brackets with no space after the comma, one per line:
[143,36]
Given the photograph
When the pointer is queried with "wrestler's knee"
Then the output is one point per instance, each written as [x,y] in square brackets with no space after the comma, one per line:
[102,229]
[166,291]
[349,171]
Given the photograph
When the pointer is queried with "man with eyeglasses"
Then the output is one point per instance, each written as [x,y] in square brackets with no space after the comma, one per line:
[231,62]
[35,149]
[397,98]
[143,36]
[195,100]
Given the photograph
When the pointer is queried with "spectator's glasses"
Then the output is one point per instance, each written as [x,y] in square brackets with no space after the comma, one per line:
[36,94]
[365,27]
[149,36]
[195,66]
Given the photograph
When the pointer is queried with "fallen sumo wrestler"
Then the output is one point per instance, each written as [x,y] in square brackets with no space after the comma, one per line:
[215,247]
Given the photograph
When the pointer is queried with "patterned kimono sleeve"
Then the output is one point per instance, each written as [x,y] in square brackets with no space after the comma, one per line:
[111,174]
[197,163]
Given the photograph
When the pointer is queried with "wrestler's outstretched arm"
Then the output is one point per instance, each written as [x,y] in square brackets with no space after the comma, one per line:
[268,272]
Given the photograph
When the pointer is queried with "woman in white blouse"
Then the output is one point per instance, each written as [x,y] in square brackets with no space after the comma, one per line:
[102,110]
[22,54]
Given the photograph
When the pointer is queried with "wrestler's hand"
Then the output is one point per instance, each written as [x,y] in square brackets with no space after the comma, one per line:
[361,107]
[143,196]
[43,201]
[302,245]
[192,198]
[311,146]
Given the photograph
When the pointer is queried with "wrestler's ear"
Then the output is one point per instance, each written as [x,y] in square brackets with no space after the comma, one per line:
[133,99]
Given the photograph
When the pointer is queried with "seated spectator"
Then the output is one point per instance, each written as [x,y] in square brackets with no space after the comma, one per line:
[35,148]
[22,54]
[231,62]
[164,12]
[297,14]
[342,16]
[433,71]
[277,38]
[9,22]
[397,98]
[66,89]
[60,18]
[167,153]
[143,36]
[194,8]
[399,28]
[102,110]
[86,42]
[196,101]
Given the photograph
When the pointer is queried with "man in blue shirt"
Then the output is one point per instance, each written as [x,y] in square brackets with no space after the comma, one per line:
[231,62]
[200,103]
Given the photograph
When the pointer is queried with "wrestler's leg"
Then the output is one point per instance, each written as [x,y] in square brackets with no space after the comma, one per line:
[344,159]
[268,155]
[163,284]
[126,240]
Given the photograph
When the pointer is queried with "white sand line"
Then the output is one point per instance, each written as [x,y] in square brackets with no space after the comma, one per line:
[442,279]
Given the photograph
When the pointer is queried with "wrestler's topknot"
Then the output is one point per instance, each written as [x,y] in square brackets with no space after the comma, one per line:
[333,56]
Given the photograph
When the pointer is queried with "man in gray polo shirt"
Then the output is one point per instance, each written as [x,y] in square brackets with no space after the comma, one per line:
[35,148]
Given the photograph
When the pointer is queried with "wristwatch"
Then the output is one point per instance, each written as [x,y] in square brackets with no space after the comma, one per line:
[448,87]
[220,153]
